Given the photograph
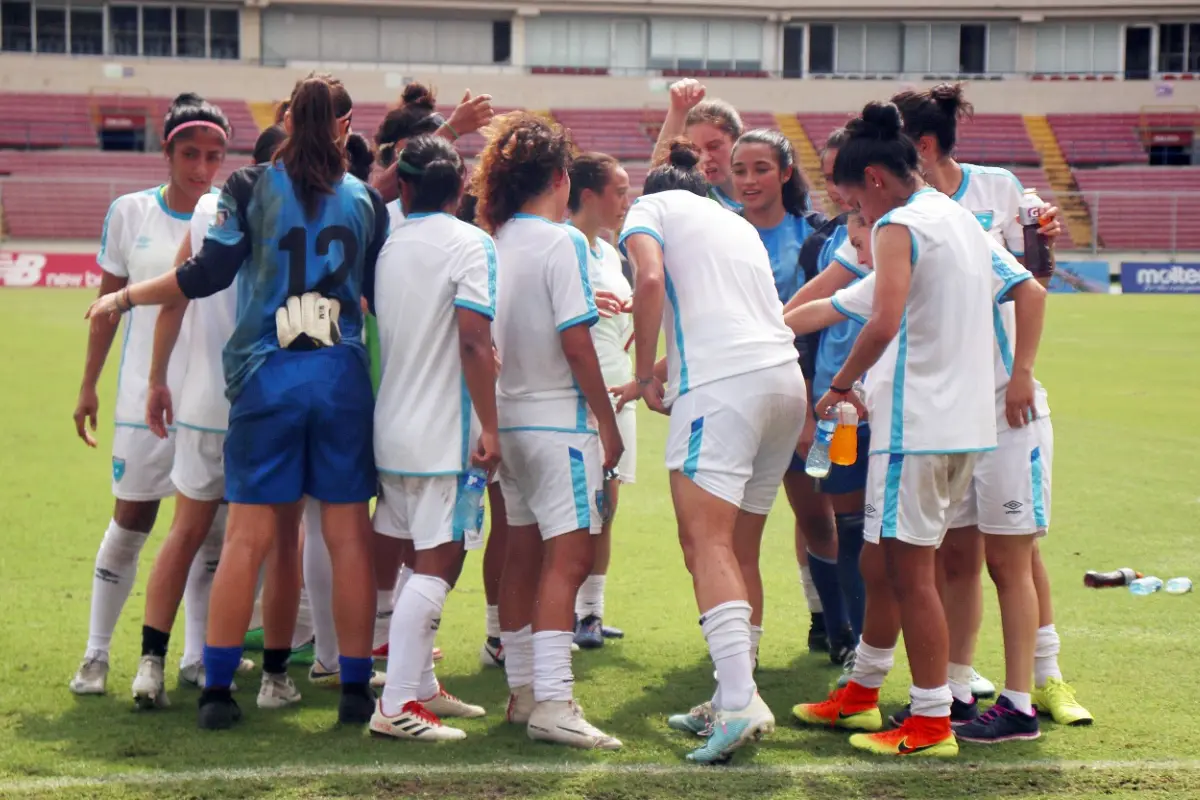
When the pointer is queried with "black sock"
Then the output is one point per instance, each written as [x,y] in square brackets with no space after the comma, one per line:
[275,659]
[154,642]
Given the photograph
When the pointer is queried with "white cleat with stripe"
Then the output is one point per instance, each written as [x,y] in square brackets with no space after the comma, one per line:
[414,722]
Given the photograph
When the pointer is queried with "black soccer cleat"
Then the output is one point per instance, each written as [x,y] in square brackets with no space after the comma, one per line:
[357,704]
[218,710]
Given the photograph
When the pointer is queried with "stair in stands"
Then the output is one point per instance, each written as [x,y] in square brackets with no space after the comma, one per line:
[806,153]
[1075,211]
[263,113]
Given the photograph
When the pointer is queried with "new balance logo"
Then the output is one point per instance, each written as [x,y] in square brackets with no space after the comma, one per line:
[1013,507]
[107,576]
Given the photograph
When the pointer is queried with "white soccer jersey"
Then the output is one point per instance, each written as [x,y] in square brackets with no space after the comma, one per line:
[932,390]
[723,316]
[431,265]
[140,241]
[1007,272]
[395,215]
[847,256]
[611,334]
[993,195]
[210,320]
[544,290]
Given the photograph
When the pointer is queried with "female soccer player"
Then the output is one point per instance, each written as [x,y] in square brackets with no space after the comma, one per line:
[436,291]
[774,196]
[552,403]
[713,125]
[598,201]
[141,235]
[928,345]
[202,417]
[296,375]
[737,404]
[931,119]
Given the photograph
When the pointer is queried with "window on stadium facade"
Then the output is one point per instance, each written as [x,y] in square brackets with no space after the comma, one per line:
[78,27]
[1179,47]
[1077,48]
[936,49]
[721,45]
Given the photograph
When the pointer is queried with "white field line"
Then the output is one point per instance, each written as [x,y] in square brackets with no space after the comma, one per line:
[302,772]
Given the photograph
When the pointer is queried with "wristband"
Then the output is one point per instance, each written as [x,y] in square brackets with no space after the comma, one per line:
[644,381]
[450,128]
[843,392]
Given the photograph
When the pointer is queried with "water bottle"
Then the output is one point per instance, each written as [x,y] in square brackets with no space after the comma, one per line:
[1038,258]
[843,450]
[1179,585]
[817,465]
[468,508]
[1147,585]
[1118,577]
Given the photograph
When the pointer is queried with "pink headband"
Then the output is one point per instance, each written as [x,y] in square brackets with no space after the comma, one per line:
[200,123]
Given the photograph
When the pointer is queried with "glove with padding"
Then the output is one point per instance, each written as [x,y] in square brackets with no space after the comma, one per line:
[308,322]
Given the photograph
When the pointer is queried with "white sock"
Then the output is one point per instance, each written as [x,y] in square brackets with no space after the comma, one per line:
[756,633]
[303,632]
[872,665]
[590,599]
[493,622]
[256,615]
[810,591]
[552,678]
[960,681]
[383,617]
[518,656]
[318,587]
[1045,656]
[402,575]
[199,588]
[930,702]
[1022,701]
[410,642]
[727,630]
[112,581]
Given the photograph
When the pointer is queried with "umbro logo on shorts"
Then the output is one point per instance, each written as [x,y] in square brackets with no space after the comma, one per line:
[868,510]
[1013,507]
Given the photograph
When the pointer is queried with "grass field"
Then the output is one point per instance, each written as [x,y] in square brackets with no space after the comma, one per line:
[1125,388]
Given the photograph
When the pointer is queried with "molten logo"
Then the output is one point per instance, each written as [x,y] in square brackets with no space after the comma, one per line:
[1160,278]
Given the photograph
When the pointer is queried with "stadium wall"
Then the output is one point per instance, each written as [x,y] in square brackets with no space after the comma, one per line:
[513,87]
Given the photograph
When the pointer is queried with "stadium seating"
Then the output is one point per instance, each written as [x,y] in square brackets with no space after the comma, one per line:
[1139,206]
[46,120]
[987,139]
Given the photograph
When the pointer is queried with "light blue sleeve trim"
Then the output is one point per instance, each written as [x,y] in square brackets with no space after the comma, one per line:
[966,181]
[858,271]
[589,319]
[1020,277]
[405,474]
[636,230]
[100,257]
[549,428]
[932,452]
[1016,254]
[490,313]
[845,312]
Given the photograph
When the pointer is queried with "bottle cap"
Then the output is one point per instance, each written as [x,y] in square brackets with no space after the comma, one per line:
[847,414]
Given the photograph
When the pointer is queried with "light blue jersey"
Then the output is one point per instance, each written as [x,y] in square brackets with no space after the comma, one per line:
[836,340]
[783,243]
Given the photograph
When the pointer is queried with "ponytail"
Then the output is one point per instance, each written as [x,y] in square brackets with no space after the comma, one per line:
[311,154]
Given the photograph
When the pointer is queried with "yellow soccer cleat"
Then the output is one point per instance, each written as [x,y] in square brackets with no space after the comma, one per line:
[918,736]
[1057,699]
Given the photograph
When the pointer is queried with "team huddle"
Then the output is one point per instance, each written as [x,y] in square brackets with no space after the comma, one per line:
[346,322]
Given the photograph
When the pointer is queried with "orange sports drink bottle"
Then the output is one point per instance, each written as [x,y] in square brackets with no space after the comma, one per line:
[843,450]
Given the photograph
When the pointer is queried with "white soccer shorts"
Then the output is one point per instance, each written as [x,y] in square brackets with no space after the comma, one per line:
[627,425]
[1010,488]
[735,437]
[421,510]
[909,497]
[141,464]
[199,469]
[552,479]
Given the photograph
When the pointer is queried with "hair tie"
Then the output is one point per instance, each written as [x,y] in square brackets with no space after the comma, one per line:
[199,123]
[407,168]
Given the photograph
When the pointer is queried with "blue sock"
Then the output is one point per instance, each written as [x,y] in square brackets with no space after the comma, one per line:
[850,543]
[355,670]
[219,665]
[825,579]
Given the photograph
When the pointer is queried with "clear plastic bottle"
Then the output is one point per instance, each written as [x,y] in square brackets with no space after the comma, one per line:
[817,465]
[468,508]
[1146,585]
[1179,586]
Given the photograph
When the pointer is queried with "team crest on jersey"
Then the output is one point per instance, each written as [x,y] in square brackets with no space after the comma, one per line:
[985,218]
[142,243]
[118,469]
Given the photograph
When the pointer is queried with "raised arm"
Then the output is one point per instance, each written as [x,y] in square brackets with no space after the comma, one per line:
[685,95]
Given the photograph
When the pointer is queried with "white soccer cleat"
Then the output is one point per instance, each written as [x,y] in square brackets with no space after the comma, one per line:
[492,653]
[91,677]
[414,722]
[277,691]
[149,688]
[562,721]
[981,687]
[193,674]
[520,704]
[732,730]
[444,704]
[246,665]
[318,675]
